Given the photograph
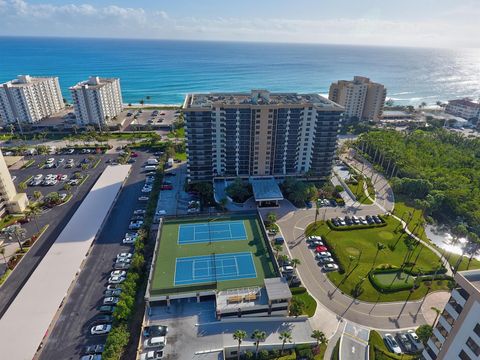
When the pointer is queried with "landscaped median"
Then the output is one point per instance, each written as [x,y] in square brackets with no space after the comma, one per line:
[360,251]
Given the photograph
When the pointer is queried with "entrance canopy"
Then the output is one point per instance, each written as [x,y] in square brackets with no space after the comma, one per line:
[266,190]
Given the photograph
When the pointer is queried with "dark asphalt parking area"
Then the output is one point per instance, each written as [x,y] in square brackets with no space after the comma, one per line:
[71,332]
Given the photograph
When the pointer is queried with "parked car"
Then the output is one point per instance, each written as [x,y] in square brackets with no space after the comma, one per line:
[160,213]
[121,266]
[91,357]
[325,260]
[392,344]
[166,187]
[154,331]
[114,286]
[139,212]
[152,355]
[106,309]
[324,254]
[101,329]
[123,260]
[143,198]
[287,269]
[412,335]
[118,273]
[330,267]
[135,225]
[116,279]
[158,341]
[93,349]
[110,300]
[103,319]
[405,343]
[124,255]
[279,240]
[321,249]
[115,292]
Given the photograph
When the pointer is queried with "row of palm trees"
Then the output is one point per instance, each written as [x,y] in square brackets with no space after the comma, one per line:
[285,337]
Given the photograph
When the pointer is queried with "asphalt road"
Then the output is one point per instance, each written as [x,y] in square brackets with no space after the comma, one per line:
[71,332]
[354,342]
[57,218]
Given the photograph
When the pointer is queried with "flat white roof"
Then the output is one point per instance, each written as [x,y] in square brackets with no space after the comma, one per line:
[25,323]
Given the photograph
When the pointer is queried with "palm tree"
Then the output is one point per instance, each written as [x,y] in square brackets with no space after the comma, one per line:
[282,258]
[239,335]
[438,312]
[350,260]
[380,247]
[34,211]
[258,336]
[272,217]
[285,336]
[37,195]
[317,212]
[19,233]
[278,248]
[319,336]
[296,262]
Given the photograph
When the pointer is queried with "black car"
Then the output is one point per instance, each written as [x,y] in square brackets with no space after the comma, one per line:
[333,203]
[348,220]
[155,331]
[106,309]
[295,282]
[102,319]
[376,219]
[94,349]
[279,240]
[405,343]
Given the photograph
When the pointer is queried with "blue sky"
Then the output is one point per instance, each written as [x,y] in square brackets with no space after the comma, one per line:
[432,23]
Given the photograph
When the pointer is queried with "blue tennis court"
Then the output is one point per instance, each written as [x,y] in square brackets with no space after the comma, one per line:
[211,268]
[211,232]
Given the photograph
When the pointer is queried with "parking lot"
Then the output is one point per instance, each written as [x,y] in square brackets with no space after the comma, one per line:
[149,117]
[63,172]
[72,331]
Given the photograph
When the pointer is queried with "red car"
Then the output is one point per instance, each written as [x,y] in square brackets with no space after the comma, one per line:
[321,249]
[167,187]
[134,154]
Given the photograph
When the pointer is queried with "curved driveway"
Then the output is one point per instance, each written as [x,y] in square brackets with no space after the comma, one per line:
[293,222]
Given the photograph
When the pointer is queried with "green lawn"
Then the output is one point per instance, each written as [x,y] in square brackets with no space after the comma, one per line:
[169,251]
[309,303]
[464,264]
[181,156]
[403,209]
[362,245]
[359,192]
[394,279]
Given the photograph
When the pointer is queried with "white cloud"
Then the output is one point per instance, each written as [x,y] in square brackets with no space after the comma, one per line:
[23,18]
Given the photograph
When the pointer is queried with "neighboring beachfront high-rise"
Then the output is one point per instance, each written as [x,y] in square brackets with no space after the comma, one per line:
[29,99]
[97,100]
[10,200]
[260,134]
[361,98]
[465,108]
[456,335]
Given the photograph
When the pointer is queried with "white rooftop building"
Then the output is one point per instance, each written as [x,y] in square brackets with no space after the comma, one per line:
[29,99]
[97,100]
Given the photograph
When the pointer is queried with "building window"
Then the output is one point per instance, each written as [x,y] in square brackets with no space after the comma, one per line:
[477,330]
[463,356]
[473,346]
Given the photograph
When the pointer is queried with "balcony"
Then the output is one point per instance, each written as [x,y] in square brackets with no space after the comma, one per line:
[451,311]
[458,297]
[443,321]
[432,346]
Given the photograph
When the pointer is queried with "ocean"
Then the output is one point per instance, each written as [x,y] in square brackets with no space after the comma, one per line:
[167,70]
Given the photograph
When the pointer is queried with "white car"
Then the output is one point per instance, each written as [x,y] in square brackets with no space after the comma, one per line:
[193,210]
[123,260]
[110,300]
[392,344]
[139,212]
[116,279]
[50,161]
[158,341]
[152,355]
[287,269]
[124,256]
[330,267]
[38,177]
[146,189]
[129,240]
[143,198]
[120,273]
[62,197]
[64,177]
[324,254]
[160,212]
[101,329]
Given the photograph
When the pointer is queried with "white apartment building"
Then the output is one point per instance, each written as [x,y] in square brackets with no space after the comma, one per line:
[29,99]
[464,108]
[456,335]
[10,200]
[97,100]
[361,98]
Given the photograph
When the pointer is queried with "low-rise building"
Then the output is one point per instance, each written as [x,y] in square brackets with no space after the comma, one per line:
[361,98]
[97,101]
[456,335]
[10,200]
[464,108]
[29,99]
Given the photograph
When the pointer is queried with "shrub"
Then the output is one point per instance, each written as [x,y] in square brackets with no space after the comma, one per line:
[263,355]
[116,341]
[298,290]
[353,227]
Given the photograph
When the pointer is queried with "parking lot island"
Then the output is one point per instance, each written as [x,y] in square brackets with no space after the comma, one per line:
[38,301]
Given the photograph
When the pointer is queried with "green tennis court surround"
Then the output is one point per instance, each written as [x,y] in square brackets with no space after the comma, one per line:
[220,253]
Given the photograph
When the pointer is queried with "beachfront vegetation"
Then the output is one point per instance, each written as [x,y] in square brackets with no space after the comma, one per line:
[436,176]
[239,191]
[298,191]
[358,254]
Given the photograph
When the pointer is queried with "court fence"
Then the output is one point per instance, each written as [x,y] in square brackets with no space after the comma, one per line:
[269,243]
